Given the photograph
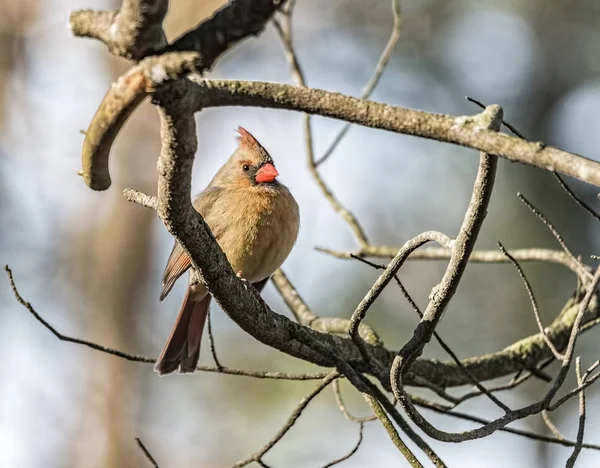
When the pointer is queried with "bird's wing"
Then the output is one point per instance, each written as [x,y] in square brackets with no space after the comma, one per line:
[177,265]
[179,262]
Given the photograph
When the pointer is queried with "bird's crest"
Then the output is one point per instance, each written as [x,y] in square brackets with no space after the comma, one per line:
[245,138]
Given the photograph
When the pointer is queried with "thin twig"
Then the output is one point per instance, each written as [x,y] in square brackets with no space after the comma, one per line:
[477,256]
[290,421]
[342,406]
[512,129]
[581,429]
[514,415]
[147,454]
[555,233]
[576,391]
[284,30]
[550,425]
[561,181]
[534,305]
[390,271]
[304,315]
[369,87]
[211,340]
[148,360]
[354,449]
[389,428]
[442,343]
[461,250]
[577,199]
[441,409]
[364,385]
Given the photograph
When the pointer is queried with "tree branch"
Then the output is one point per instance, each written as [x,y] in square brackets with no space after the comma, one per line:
[146,453]
[133,32]
[461,250]
[463,131]
[384,59]
[305,316]
[236,21]
[477,256]
[290,421]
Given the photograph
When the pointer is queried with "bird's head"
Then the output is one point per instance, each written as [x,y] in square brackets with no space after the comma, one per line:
[249,166]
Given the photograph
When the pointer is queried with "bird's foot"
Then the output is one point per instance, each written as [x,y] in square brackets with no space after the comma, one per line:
[248,284]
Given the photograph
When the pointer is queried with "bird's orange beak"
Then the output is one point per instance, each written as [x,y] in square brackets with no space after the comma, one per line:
[267,173]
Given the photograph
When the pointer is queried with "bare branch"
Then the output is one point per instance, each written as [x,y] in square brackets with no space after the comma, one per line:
[576,391]
[342,406]
[365,386]
[211,341]
[534,408]
[578,200]
[201,94]
[573,458]
[352,452]
[550,425]
[555,233]
[384,59]
[461,250]
[147,454]
[463,131]
[305,316]
[477,256]
[284,30]
[290,421]
[144,359]
[391,430]
[133,32]
[201,47]
[436,407]
[534,305]
[521,355]
[361,310]
[140,198]
[444,346]
[561,181]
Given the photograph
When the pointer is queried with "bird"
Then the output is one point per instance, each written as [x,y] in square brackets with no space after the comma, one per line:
[254,218]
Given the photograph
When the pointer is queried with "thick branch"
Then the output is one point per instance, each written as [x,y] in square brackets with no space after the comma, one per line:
[525,354]
[238,20]
[133,32]
[463,131]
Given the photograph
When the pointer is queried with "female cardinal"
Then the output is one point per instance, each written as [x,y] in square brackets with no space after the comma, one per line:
[254,219]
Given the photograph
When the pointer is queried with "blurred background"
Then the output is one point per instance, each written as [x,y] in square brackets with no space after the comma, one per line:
[91,263]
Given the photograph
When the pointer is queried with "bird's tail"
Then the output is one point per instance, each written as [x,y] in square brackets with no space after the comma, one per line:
[182,350]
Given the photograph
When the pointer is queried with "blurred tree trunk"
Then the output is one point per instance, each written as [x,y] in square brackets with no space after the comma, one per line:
[115,255]
[115,271]
[116,274]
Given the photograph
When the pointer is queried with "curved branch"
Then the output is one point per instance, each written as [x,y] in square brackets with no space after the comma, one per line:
[227,27]
[463,131]
[477,256]
[384,59]
[133,32]
[525,354]
[290,421]
[443,293]
[305,316]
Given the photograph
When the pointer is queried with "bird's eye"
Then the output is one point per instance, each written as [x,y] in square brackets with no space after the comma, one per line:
[246,168]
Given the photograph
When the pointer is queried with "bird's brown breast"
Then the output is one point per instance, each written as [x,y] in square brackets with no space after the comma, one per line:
[256,227]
